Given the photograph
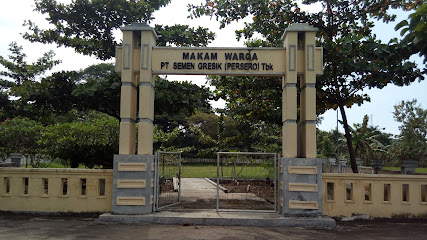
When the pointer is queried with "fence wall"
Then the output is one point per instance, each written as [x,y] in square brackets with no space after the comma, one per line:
[84,190]
[376,195]
[55,190]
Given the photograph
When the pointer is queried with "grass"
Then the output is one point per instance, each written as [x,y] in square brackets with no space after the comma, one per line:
[204,170]
[417,170]
[54,165]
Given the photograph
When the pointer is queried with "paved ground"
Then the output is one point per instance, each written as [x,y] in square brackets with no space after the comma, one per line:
[198,188]
[79,228]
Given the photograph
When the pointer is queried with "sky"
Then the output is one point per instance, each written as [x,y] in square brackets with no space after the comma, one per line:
[380,109]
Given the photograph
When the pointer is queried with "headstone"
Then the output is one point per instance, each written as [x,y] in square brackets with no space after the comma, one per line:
[408,166]
[15,158]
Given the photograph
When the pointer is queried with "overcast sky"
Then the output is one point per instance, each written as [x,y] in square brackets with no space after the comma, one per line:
[13,14]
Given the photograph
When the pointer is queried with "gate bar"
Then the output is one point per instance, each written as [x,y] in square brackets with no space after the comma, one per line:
[156,173]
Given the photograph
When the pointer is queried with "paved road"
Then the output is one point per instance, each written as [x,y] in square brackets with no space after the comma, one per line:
[79,228]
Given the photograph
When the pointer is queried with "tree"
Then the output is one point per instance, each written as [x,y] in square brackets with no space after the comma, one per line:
[325,146]
[92,141]
[412,139]
[255,98]
[354,59]
[175,101]
[416,31]
[26,91]
[365,140]
[18,79]
[207,123]
[88,25]
[21,135]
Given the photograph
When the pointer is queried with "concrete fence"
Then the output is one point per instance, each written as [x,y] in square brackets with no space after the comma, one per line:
[376,195]
[55,190]
[90,190]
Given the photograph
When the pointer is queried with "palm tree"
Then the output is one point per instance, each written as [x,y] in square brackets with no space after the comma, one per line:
[365,140]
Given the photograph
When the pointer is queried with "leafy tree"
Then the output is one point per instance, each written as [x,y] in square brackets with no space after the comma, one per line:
[88,25]
[254,98]
[175,101]
[22,135]
[325,146]
[98,88]
[354,59]
[365,140]
[412,142]
[207,123]
[266,137]
[416,31]
[92,141]
[18,80]
[25,91]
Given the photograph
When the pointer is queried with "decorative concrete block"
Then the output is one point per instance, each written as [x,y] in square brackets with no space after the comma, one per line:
[132,182]
[302,187]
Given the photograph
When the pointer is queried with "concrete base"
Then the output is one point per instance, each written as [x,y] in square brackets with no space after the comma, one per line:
[214,218]
[300,189]
[138,199]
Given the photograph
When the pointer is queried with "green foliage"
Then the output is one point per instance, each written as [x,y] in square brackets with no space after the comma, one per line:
[92,141]
[21,135]
[325,146]
[175,101]
[88,25]
[21,71]
[331,144]
[98,88]
[354,59]
[267,137]
[25,91]
[18,81]
[207,123]
[183,36]
[412,142]
[416,31]
[251,98]
[365,141]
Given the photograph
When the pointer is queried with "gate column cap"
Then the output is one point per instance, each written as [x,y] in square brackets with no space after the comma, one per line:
[139,26]
[299,27]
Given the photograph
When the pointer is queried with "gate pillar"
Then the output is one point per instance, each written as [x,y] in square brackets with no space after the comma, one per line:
[300,172]
[289,97]
[133,179]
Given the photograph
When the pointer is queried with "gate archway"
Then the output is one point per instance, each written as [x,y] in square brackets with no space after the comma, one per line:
[138,56]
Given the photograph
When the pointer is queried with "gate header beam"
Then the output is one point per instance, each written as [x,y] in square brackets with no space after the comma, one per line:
[221,61]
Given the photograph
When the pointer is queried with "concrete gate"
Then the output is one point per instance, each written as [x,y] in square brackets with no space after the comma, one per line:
[138,59]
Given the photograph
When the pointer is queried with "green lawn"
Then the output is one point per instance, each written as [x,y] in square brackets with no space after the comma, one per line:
[54,165]
[196,170]
[417,170]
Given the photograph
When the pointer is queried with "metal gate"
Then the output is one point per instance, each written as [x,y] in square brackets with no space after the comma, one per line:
[167,187]
[247,181]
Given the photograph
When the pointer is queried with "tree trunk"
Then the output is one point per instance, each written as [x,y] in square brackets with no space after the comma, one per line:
[349,141]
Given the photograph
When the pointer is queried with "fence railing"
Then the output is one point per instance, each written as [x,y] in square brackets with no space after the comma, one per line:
[55,190]
[376,195]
